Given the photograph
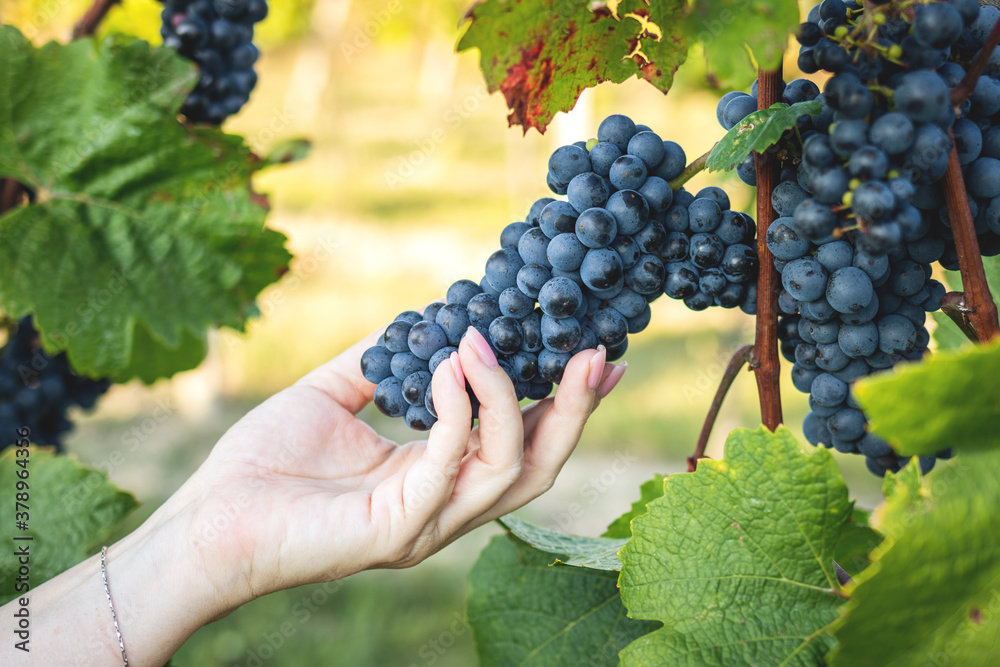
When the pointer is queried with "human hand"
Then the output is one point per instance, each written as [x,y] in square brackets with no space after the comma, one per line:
[301,490]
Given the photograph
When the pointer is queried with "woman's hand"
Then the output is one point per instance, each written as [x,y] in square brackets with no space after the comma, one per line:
[301,490]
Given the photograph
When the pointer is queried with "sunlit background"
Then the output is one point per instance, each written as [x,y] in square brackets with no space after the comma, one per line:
[413,174]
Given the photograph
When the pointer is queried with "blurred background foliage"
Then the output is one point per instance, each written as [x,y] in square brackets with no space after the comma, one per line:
[413,174]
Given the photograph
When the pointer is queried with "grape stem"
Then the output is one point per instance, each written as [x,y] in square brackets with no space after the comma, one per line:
[980,309]
[767,366]
[953,305]
[741,356]
[89,22]
[689,171]
[967,85]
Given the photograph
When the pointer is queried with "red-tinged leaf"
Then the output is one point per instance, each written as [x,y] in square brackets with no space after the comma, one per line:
[541,54]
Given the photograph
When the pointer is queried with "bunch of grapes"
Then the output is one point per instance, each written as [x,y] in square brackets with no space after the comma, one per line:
[577,273]
[37,389]
[861,201]
[218,36]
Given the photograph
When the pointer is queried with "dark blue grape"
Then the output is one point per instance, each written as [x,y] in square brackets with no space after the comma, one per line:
[602,156]
[560,297]
[483,309]
[739,264]
[395,336]
[587,191]
[858,340]
[706,250]
[596,228]
[601,269]
[532,248]
[375,364]
[896,334]
[511,234]
[804,279]
[628,173]
[461,292]
[630,211]
[503,265]
[618,130]
[389,399]
[567,162]
[784,242]
[673,162]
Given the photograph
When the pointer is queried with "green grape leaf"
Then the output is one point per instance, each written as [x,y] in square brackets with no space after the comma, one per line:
[931,595]
[902,491]
[726,28]
[152,359]
[943,401]
[856,541]
[526,611]
[648,492]
[736,558]
[137,222]
[71,510]
[541,54]
[758,132]
[599,553]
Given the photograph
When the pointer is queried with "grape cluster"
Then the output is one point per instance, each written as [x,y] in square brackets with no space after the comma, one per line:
[218,36]
[577,273]
[37,389]
[861,200]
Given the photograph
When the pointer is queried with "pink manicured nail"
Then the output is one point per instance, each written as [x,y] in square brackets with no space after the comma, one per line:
[596,368]
[456,366]
[482,348]
[613,379]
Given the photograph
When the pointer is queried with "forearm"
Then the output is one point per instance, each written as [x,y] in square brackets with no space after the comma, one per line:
[160,592]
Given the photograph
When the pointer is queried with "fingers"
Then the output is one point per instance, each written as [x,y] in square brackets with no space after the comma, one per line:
[428,484]
[495,465]
[555,427]
[501,434]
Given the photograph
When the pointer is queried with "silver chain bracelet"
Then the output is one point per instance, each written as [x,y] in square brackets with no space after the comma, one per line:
[114,616]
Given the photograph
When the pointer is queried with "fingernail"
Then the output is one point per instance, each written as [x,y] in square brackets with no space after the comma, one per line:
[482,348]
[456,366]
[613,379]
[596,368]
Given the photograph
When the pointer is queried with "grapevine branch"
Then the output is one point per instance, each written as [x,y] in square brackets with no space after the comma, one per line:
[89,22]
[690,170]
[768,366]
[740,357]
[967,85]
[980,309]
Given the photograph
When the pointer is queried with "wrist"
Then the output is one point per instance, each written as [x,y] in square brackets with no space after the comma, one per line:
[161,588]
